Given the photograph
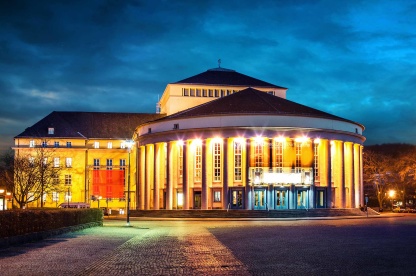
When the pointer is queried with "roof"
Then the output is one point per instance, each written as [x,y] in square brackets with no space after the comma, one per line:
[89,125]
[227,77]
[253,101]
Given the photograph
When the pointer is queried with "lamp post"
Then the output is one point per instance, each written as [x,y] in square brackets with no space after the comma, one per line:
[129,144]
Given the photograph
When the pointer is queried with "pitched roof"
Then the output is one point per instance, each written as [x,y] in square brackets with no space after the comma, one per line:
[89,125]
[253,101]
[222,76]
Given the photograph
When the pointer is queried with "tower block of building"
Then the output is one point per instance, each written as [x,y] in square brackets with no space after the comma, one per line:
[222,140]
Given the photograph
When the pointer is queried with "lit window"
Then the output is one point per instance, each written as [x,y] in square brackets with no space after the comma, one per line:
[279,156]
[56,144]
[192,92]
[44,144]
[204,92]
[217,161]
[186,92]
[198,163]
[258,154]
[68,162]
[217,196]
[198,92]
[180,161]
[68,179]
[55,180]
[32,143]
[56,162]
[69,144]
[298,161]
[96,145]
[55,196]
[237,160]
[316,160]
[51,130]
[110,145]
[123,145]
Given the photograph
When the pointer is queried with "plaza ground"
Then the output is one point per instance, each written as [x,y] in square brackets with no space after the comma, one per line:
[383,245]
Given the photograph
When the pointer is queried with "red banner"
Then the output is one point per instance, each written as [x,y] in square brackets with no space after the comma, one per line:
[108,183]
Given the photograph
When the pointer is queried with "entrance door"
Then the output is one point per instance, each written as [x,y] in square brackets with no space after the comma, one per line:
[281,199]
[197,200]
[302,199]
[320,198]
[260,199]
[237,199]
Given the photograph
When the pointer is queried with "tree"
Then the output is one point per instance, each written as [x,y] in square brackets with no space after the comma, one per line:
[30,176]
[377,169]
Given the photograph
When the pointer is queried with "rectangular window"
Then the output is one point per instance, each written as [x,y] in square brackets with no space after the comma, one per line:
[68,179]
[122,145]
[204,92]
[228,92]
[31,160]
[192,92]
[180,162]
[45,161]
[51,130]
[186,92]
[56,144]
[198,92]
[222,93]
[258,154]
[55,196]
[32,143]
[175,126]
[55,180]
[109,164]
[217,161]
[56,162]
[298,164]
[96,164]
[198,163]
[217,93]
[123,164]
[68,162]
[210,93]
[279,156]
[237,160]
[44,144]
[69,144]
[271,93]
[110,145]
[316,161]
[96,145]
[217,196]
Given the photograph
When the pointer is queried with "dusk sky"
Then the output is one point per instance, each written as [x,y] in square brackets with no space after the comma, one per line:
[354,59]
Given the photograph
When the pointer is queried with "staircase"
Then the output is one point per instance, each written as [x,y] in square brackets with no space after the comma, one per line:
[247,213]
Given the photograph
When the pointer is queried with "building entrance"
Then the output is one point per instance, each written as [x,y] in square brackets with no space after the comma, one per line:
[260,199]
[320,198]
[237,199]
[302,199]
[197,200]
[281,199]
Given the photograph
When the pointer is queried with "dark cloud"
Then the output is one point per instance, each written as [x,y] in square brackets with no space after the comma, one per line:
[350,58]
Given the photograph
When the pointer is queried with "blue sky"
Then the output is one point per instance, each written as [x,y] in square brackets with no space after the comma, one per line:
[354,59]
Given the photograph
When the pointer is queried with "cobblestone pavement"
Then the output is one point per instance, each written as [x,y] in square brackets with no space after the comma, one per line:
[360,246]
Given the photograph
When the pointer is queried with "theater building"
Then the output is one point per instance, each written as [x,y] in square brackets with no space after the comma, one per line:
[220,140]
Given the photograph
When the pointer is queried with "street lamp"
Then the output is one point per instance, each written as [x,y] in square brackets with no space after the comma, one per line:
[129,145]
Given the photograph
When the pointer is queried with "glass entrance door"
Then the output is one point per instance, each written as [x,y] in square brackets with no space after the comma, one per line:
[320,198]
[237,199]
[260,199]
[302,199]
[197,200]
[281,199]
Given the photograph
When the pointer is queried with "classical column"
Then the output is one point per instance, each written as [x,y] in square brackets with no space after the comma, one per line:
[169,183]
[142,177]
[204,186]
[248,186]
[361,198]
[156,177]
[225,178]
[328,173]
[185,176]
[342,176]
[147,172]
[352,176]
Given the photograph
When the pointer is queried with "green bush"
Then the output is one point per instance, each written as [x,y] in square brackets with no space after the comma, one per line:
[20,222]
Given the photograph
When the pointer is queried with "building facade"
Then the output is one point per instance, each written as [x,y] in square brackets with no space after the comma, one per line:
[220,140]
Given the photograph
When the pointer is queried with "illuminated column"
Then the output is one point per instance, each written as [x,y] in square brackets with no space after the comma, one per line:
[342,174]
[142,175]
[248,190]
[328,147]
[361,196]
[348,174]
[156,178]
[204,186]
[169,178]
[149,174]
[225,169]
[185,176]
[357,189]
